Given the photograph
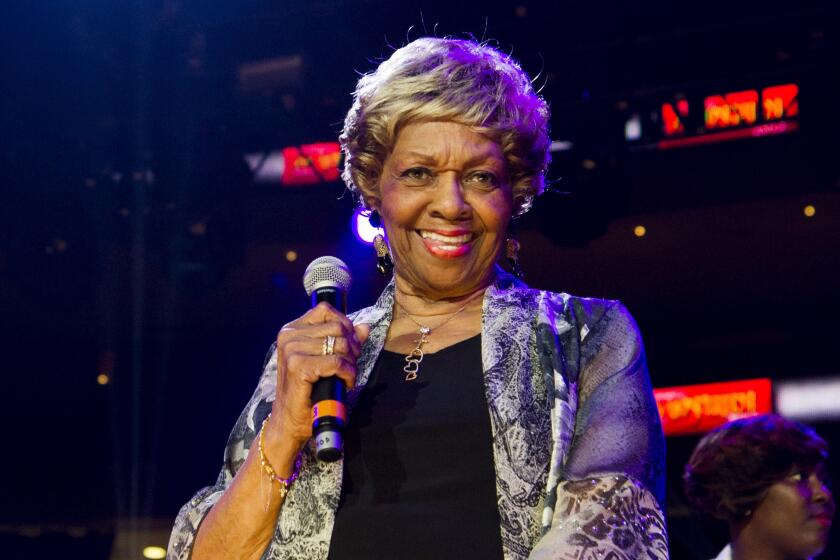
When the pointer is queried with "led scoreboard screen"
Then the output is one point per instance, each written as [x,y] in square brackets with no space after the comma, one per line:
[717,117]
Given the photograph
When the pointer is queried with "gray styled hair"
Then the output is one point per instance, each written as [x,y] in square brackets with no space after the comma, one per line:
[463,81]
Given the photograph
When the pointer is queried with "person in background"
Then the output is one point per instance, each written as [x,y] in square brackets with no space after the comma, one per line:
[487,419]
[766,477]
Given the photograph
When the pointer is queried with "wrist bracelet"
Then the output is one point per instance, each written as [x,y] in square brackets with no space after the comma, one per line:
[285,483]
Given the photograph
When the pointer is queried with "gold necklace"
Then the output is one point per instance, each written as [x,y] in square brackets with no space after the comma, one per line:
[412,361]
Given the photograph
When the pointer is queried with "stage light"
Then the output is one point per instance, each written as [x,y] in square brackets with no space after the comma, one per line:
[103,379]
[154,552]
[809,400]
[639,231]
[633,128]
[809,211]
[291,256]
[560,146]
[362,229]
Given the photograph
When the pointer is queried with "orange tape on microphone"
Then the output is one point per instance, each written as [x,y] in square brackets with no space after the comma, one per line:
[336,409]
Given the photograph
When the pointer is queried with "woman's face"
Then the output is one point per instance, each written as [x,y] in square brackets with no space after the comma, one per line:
[445,202]
[795,516]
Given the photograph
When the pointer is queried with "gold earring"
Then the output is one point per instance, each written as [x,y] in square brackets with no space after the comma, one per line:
[384,264]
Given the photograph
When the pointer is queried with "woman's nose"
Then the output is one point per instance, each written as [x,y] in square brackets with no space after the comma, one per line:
[819,489]
[449,201]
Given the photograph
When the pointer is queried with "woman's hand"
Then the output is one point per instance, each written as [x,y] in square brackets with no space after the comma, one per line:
[301,362]
[242,522]
[234,527]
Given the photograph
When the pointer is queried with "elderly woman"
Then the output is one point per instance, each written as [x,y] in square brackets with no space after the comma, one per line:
[487,419]
[764,476]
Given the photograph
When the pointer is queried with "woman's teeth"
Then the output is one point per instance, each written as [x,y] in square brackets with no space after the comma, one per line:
[446,246]
[448,240]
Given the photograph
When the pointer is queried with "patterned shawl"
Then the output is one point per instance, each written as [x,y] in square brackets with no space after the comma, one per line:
[578,448]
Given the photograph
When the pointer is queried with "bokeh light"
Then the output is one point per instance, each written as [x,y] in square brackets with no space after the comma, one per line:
[362,229]
[154,552]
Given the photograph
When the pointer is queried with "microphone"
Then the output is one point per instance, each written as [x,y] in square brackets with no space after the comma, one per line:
[328,279]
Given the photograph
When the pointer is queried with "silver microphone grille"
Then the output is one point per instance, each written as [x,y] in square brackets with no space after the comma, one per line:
[326,272]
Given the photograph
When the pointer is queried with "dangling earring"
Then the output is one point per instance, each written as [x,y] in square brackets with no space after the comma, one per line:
[384,264]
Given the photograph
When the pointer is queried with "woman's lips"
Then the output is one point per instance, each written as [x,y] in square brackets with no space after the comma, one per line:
[447,244]
[823,519]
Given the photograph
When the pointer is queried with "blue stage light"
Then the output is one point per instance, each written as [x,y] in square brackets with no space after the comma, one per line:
[362,229]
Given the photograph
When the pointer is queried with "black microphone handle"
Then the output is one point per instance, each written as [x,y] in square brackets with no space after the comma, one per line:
[329,416]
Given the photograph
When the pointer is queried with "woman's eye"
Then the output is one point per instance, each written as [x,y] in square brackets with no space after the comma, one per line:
[799,476]
[417,174]
[483,178]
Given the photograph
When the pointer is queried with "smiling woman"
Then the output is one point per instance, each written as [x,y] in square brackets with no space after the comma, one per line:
[487,419]
[445,203]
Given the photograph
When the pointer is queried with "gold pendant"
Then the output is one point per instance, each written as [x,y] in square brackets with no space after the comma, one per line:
[412,361]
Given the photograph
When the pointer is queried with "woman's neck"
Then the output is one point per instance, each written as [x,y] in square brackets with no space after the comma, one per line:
[440,322]
[747,546]
[419,304]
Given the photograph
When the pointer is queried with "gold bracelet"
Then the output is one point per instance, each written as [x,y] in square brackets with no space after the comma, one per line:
[285,483]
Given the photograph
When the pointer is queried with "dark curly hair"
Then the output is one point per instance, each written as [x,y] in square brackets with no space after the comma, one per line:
[733,466]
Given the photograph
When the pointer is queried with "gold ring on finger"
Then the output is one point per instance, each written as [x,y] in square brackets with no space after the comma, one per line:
[329,345]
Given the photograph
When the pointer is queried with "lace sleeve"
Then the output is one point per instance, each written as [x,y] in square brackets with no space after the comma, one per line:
[611,517]
[609,502]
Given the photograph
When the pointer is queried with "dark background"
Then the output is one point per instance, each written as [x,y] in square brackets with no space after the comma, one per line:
[134,243]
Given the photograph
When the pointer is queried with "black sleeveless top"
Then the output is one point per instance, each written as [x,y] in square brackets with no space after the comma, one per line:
[419,479]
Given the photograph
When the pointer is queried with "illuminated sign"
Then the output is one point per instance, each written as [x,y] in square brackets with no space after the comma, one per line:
[732,109]
[310,163]
[696,409]
[672,115]
[778,102]
[724,116]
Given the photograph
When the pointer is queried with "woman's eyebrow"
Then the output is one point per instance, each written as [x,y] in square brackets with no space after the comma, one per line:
[417,155]
[425,157]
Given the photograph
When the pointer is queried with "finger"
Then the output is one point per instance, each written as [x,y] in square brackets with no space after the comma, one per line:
[323,313]
[318,331]
[313,368]
[340,367]
[316,346]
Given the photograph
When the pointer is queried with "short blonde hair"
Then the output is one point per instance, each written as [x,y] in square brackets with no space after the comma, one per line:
[463,81]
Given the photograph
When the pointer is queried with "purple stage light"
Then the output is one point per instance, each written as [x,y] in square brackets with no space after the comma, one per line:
[362,229]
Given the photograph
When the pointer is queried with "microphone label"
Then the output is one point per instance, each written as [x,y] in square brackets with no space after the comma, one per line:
[334,409]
